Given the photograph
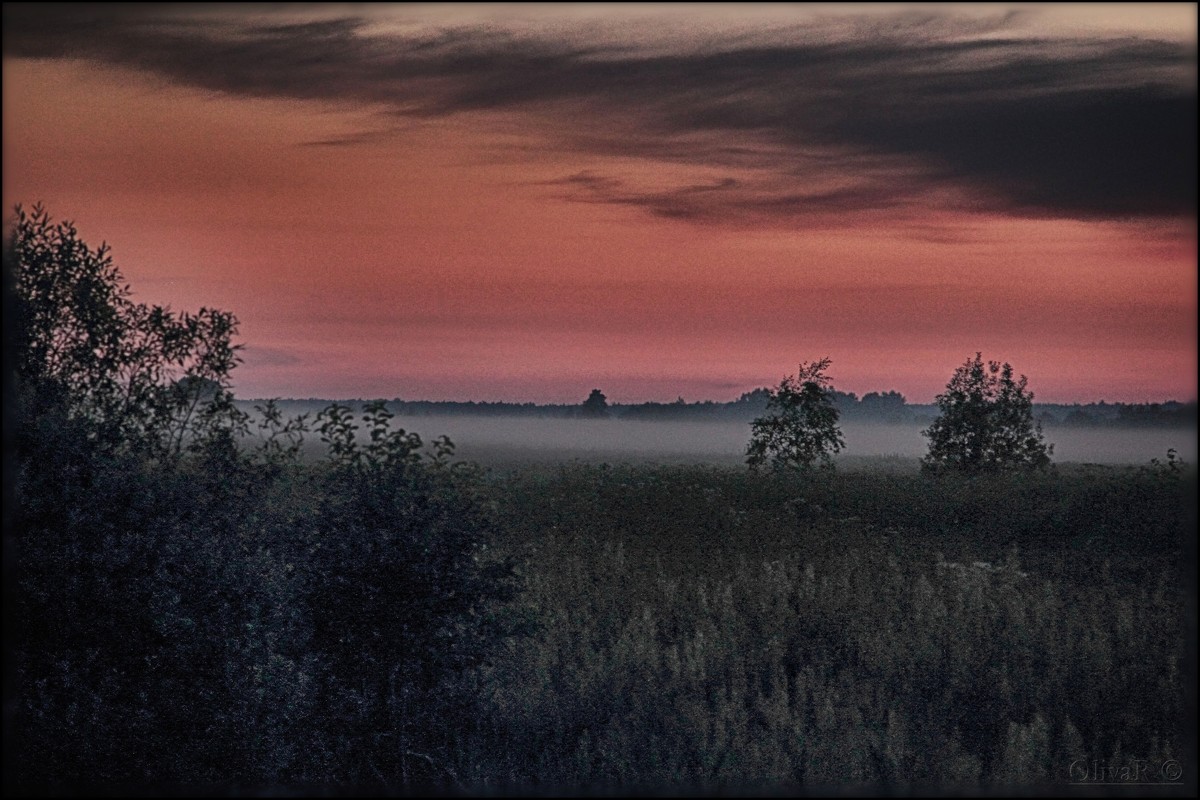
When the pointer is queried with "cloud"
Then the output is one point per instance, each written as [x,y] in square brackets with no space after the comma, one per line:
[840,114]
[728,200]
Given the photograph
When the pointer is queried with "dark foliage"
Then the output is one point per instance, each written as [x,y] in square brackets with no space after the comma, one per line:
[595,406]
[800,427]
[877,631]
[986,422]
[888,406]
[192,612]
[143,378]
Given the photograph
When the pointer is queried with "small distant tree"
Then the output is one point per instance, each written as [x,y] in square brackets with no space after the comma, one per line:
[596,405]
[986,422]
[799,429]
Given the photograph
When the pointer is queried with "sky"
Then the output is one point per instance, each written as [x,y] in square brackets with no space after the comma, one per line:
[523,203]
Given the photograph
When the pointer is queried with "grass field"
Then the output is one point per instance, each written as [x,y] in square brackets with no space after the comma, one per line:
[680,628]
[707,629]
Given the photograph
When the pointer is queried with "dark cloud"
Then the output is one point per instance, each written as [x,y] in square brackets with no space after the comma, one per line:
[834,116]
[728,200]
[352,139]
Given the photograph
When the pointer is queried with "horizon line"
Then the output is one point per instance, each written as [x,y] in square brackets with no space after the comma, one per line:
[907,402]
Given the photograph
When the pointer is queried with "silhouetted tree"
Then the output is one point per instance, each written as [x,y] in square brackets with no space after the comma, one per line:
[843,400]
[139,377]
[756,397]
[986,422]
[188,613]
[127,486]
[596,405]
[800,427]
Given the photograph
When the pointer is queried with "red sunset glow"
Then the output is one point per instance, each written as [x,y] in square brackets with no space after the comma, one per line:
[408,228]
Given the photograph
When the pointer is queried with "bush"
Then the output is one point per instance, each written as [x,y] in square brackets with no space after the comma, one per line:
[703,632]
[401,600]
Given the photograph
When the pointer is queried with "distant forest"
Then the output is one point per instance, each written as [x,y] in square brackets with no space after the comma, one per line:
[888,407]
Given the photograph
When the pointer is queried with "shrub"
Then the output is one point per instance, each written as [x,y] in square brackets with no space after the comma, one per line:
[402,600]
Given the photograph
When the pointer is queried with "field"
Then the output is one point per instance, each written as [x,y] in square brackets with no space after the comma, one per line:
[286,626]
[703,628]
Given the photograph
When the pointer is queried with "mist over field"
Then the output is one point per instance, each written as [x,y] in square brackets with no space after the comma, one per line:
[503,440]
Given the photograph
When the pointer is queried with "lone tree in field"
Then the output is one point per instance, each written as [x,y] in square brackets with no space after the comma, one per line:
[986,422]
[800,427]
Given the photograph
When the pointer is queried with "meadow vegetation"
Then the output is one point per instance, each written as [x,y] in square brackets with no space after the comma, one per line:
[736,632]
[196,609]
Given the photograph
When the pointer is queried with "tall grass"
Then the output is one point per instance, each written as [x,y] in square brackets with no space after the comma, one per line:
[680,629]
[708,630]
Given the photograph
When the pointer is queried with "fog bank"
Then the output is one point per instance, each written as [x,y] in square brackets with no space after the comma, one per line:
[521,439]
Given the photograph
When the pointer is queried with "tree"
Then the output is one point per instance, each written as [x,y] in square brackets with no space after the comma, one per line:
[127,560]
[137,377]
[800,426]
[186,612]
[596,405]
[986,422]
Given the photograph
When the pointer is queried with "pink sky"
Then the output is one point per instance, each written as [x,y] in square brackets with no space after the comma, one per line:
[422,228]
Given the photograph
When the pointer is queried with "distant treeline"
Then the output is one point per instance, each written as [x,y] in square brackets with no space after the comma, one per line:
[872,407]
